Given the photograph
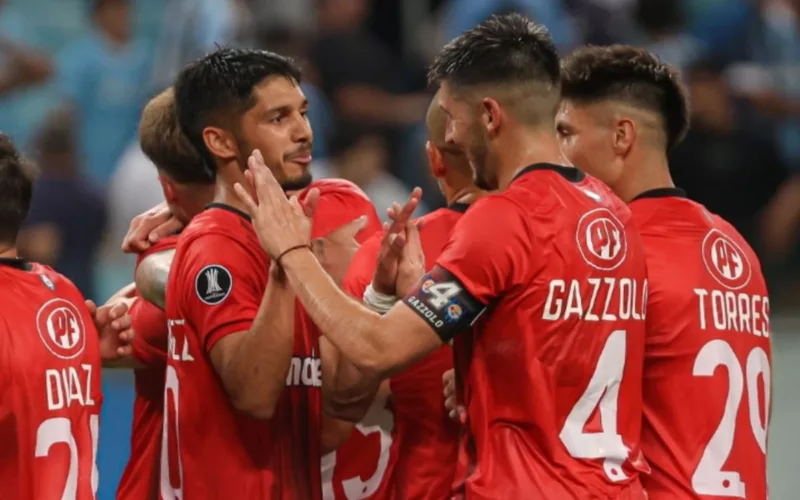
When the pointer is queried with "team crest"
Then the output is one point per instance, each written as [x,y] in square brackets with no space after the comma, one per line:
[601,239]
[725,261]
[213,284]
[61,328]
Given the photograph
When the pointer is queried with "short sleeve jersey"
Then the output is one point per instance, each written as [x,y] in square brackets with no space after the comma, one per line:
[406,446]
[141,477]
[707,356]
[341,202]
[49,386]
[552,275]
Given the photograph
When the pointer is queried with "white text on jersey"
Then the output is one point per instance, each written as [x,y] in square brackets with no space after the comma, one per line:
[596,299]
[304,372]
[733,311]
[69,386]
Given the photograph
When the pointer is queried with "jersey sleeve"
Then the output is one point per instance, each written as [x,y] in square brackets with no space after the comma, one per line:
[487,249]
[150,342]
[219,286]
[362,268]
[162,245]
[335,209]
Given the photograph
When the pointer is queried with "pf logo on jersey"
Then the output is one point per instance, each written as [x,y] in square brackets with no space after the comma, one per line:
[213,284]
[61,328]
[601,239]
[725,260]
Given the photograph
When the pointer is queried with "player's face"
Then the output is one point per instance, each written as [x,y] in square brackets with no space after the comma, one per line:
[278,126]
[587,140]
[465,131]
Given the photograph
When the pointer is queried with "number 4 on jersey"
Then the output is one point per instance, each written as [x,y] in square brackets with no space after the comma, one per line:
[602,391]
[441,293]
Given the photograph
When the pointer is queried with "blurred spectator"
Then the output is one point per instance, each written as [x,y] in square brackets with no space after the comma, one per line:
[360,155]
[662,23]
[104,75]
[192,28]
[67,218]
[721,165]
[22,66]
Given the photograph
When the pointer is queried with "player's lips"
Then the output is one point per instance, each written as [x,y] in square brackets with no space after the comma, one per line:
[303,159]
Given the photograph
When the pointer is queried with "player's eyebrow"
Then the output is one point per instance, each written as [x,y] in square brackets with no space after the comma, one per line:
[284,108]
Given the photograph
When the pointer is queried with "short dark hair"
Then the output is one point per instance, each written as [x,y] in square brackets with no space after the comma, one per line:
[163,141]
[218,88]
[508,48]
[17,175]
[625,73]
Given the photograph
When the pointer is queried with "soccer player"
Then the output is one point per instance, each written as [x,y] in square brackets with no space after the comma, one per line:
[187,189]
[244,405]
[406,448]
[49,363]
[549,270]
[707,353]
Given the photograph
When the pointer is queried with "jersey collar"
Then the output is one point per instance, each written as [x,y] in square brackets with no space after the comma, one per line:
[458,207]
[667,192]
[571,174]
[229,208]
[16,263]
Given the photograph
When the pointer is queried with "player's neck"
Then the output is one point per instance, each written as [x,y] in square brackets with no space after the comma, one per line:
[8,252]
[465,194]
[225,194]
[527,147]
[649,172]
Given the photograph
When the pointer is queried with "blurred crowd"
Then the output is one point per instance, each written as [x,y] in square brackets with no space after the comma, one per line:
[74,75]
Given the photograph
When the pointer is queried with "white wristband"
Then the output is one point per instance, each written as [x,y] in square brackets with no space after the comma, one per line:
[377,301]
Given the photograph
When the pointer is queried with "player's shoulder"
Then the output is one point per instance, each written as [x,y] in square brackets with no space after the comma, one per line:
[336,186]
[55,282]
[443,218]
[162,245]
[217,221]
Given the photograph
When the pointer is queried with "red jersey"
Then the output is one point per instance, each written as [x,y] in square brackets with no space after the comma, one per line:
[216,284]
[406,446]
[140,479]
[341,202]
[49,386]
[707,356]
[552,274]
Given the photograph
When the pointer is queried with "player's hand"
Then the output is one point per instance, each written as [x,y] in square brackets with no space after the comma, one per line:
[336,250]
[391,251]
[149,227]
[412,261]
[114,327]
[280,224]
[456,411]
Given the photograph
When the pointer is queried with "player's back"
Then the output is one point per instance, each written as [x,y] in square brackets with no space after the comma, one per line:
[405,448]
[212,450]
[49,386]
[708,355]
[552,374]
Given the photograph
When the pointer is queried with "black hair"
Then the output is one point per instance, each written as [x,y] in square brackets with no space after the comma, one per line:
[508,48]
[629,74]
[17,175]
[218,88]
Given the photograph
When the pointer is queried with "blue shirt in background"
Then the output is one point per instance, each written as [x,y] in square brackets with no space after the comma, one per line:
[108,88]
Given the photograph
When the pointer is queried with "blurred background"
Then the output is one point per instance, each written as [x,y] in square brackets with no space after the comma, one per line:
[75,74]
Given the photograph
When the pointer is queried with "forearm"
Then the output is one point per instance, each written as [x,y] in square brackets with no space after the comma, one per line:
[256,373]
[152,275]
[351,328]
[352,392]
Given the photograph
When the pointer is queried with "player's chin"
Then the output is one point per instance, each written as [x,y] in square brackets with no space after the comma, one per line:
[296,179]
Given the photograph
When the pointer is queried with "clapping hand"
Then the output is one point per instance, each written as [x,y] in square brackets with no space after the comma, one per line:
[392,244]
[281,224]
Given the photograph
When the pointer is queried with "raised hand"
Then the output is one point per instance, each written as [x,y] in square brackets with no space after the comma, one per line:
[149,227]
[114,328]
[412,261]
[391,251]
[281,224]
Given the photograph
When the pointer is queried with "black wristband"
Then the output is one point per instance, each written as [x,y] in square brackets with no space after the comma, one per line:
[289,250]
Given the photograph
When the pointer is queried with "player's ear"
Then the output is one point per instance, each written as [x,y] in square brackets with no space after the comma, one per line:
[492,115]
[220,143]
[624,135]
[434,160]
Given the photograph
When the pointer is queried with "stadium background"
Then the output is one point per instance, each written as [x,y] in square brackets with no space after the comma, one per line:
[75,74]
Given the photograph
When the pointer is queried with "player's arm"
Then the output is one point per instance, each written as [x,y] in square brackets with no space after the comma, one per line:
[152,274]
[473,270]
[247,331]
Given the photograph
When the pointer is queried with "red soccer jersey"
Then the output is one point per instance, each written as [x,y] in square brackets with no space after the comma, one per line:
[216,284]
[140,479]
[406,447]
[707,355]
[341,202]
[49,386]
[551,373]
